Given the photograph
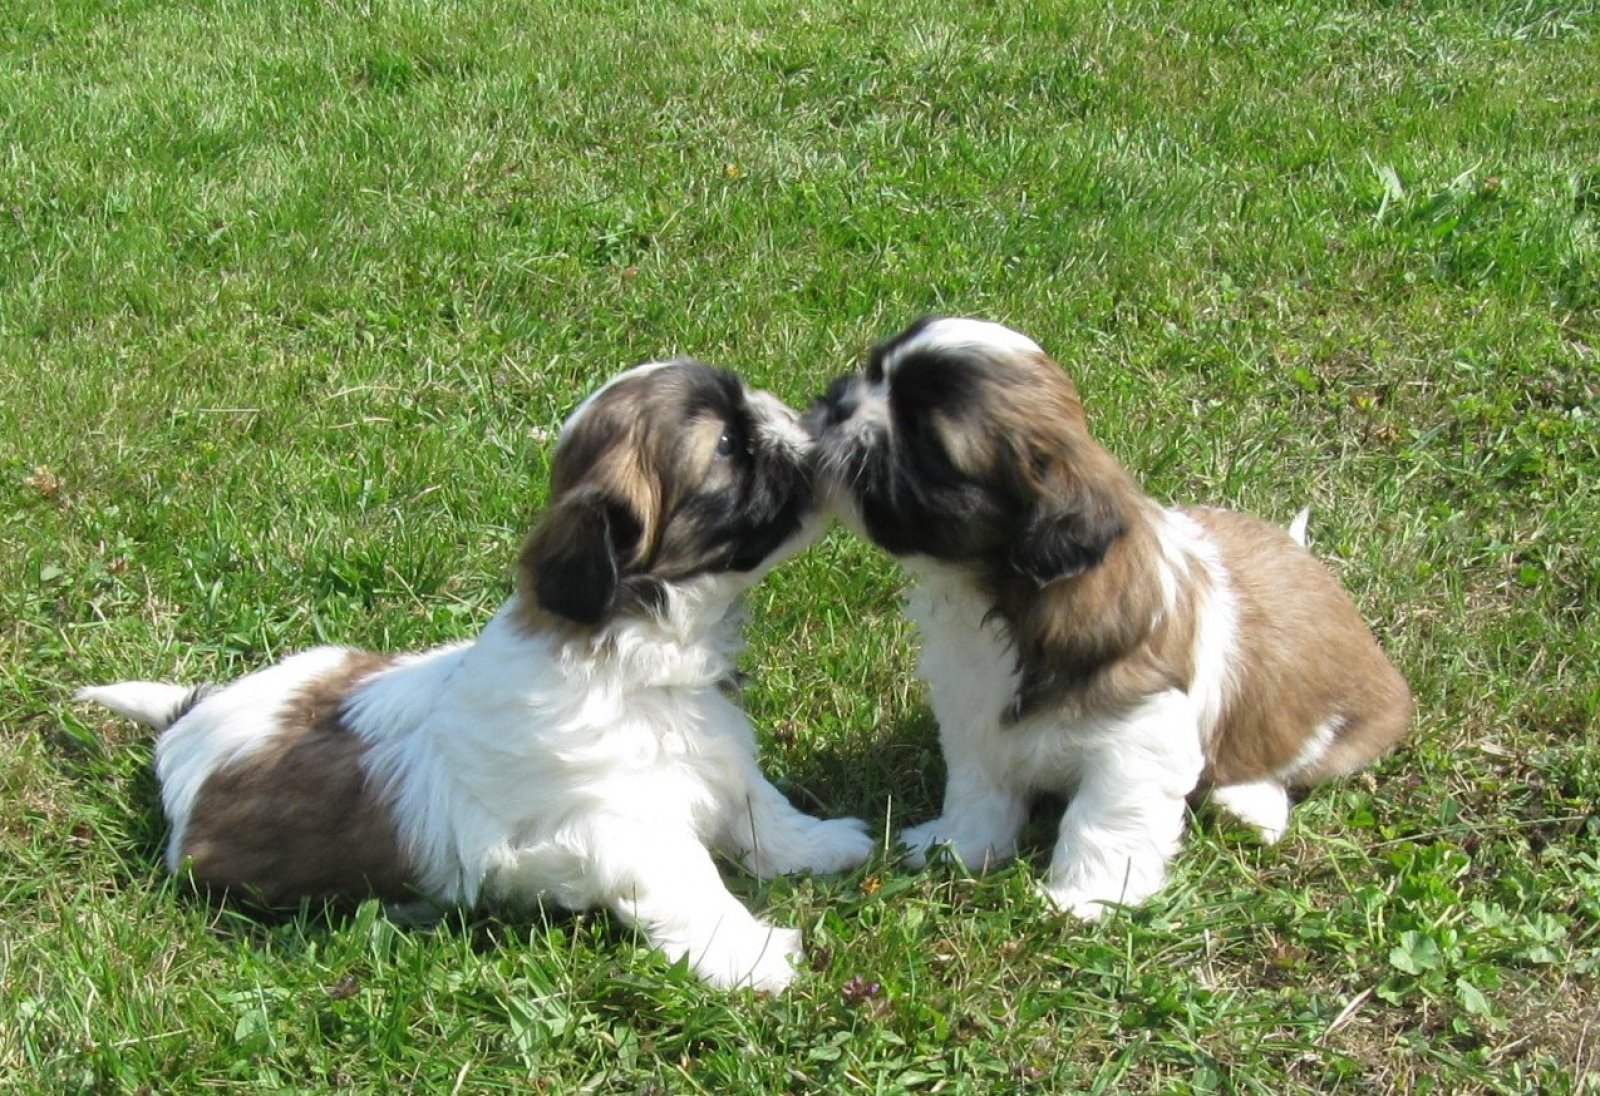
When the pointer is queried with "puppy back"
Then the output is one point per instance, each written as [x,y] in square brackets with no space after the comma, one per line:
[1312,695]
[298,817]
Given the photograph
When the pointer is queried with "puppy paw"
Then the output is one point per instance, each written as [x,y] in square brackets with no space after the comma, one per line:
[1090,891]
[976,853]
[1082,904]
[760,956]
[839,844]
[1263,805]
[919,841]
[779,961]
[820,846]
[416,912]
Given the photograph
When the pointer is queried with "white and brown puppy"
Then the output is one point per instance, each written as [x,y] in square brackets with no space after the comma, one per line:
[1077,636]
[581,749]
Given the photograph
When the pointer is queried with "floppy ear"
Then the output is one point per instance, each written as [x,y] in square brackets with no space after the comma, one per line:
[573,562]
[1070,530]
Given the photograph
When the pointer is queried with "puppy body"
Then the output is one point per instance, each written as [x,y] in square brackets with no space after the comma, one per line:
[1080,638]
[582,749]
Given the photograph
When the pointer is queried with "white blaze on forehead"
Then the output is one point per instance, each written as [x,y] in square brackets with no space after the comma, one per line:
[958,333]
[636,371]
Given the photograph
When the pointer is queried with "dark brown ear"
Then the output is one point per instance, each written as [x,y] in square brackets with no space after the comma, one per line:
[1070,530]
[575,561]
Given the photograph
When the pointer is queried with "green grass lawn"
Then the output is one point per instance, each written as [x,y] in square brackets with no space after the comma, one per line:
[294,293]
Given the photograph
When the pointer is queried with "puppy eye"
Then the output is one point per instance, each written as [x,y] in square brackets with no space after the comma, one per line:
[725,446]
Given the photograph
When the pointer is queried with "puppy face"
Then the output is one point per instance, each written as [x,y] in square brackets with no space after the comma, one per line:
[671,471]
[962,441]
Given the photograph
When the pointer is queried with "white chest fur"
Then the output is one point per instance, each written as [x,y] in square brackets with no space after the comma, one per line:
[499,752]
[966,660]
[1127,771]
[969,664]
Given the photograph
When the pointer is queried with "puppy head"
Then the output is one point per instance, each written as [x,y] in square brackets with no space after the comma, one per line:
[671,471]
[963,441]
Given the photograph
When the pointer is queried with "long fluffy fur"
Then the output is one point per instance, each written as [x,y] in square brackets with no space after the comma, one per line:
[554,757]
[1077,636]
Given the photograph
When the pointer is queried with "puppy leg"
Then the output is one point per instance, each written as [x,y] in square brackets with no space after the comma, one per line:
[667,886]
[1264,805]
[1126,819]
[770,837]
[983,811]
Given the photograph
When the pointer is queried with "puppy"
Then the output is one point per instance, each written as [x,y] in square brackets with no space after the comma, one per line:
[583,748]
[1080,638]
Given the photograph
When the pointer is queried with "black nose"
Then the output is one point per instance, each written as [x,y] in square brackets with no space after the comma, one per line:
[834,406]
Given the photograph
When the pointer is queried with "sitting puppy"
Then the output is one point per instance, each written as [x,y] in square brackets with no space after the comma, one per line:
[1080,638]
[583,748]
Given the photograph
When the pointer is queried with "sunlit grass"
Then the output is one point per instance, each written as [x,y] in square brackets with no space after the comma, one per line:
[294,296]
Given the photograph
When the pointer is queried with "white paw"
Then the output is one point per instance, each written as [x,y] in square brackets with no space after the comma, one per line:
[760,956]
[921,840]
[1263,805]
[839,844]
[820,846]
[779,961]
[1081,904]
[1271,835]
[975,853]
[1090,890]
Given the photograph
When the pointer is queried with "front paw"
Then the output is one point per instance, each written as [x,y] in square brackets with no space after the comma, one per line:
[839,844]
[976,853]
[921,840]
[1076,901]
[760,956]
[1091,892]
[820,846]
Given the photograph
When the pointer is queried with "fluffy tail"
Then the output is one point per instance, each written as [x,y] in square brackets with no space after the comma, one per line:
[149,702]
[1297,527]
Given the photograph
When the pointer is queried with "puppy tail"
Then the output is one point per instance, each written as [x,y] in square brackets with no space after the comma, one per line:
[1297,527]
[148,702]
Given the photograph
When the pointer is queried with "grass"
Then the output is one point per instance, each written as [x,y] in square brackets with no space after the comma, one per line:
[295,294]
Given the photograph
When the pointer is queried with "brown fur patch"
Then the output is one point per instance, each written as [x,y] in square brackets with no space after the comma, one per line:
[298,818]
[1306,657]
[1100,639]
[1097,638]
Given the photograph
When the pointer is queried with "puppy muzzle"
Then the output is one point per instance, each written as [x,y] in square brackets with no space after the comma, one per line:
[835,406]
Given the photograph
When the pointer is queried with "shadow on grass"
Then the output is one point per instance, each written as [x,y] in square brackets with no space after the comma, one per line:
[898,775]
[895,779]
[125,818]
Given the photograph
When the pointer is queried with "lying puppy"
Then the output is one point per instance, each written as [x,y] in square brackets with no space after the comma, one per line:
[1080,638]
[583,748]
